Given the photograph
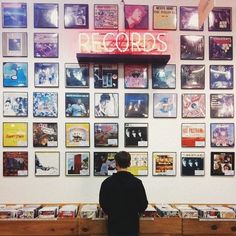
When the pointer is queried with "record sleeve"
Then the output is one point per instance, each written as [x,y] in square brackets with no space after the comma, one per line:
[139,163]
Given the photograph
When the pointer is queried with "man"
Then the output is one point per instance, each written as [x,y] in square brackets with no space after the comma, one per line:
[76,109]
[123,198]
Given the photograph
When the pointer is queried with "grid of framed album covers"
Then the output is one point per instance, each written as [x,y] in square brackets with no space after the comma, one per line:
[76,75]
[15,163]
[77,163]
[76,16]
[47,163]
[106,16]
[106,134]
[222,163]
[164,17]
[221,76]
[164,163]
[46,15]
[14,15]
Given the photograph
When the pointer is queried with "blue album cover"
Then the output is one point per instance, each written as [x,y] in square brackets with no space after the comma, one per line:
[45,104]
[15,74]
[14,15]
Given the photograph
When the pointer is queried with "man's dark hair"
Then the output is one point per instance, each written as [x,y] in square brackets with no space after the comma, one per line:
[123,159]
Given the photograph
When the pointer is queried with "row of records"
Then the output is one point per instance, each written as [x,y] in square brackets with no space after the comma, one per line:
[15,134]
[45,104]
[78,163]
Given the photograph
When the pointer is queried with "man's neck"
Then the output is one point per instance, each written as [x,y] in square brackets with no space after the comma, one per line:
[121,169]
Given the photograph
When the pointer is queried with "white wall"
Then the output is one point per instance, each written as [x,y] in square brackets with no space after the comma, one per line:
[164,134]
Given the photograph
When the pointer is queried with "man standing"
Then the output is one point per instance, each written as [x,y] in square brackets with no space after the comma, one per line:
[123,198]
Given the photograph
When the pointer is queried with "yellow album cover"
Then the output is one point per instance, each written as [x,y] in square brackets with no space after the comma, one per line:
[139,163]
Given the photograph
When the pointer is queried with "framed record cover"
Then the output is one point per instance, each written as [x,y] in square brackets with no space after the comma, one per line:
[139,163]
[164,105]
[222,163]
[76,16]
[104,163]
[192,76]
[77,163]
[194,105]
[136,135]
[47,163]
[164,163]
[14,15]
[191,47]
[164,17]
[46,45]
[220,48]
[15,134]
[164,77]
[193,135]
[76,75]
[136,16]
[106,105]
[15,104]
[77,104]
[14,44]
[46,75]
[192,163]
[46,15]
[222,135]
[106,135]
[45,134]
[77,134]
[221,76]
[106,16]
[15,163]
[220,19]
[136,105]
[136,76]
[222,105]
[15,74]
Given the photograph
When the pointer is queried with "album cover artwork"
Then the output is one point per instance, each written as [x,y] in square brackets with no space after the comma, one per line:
[46,15]
[106,134]
[193,105]
[221,76]
[45,104]
[106,16]
[220,19]
[14,15]
[192,76]
[222,105]
[165,105]
[191,47]
[45,135]
[105,76]
[47,163]
[222,135]
[104,163]
[164,77]
[139,163]
[192,163]
[77,134]
[136,16]
[193,135]
[136,76]
[77,163]
[221,48]
[46,74]
[15,163]
[164,163]
[222,163]
[76,16]
[77,104]
[15,104]
[136,105]
[15,74]
[45,45]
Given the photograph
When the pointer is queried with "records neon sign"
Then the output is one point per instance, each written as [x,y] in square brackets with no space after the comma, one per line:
[123,42]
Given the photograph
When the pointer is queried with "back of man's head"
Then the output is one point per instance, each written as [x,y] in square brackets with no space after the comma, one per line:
[123,159]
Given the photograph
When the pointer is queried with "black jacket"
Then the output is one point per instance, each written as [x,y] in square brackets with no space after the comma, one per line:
[122,197]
